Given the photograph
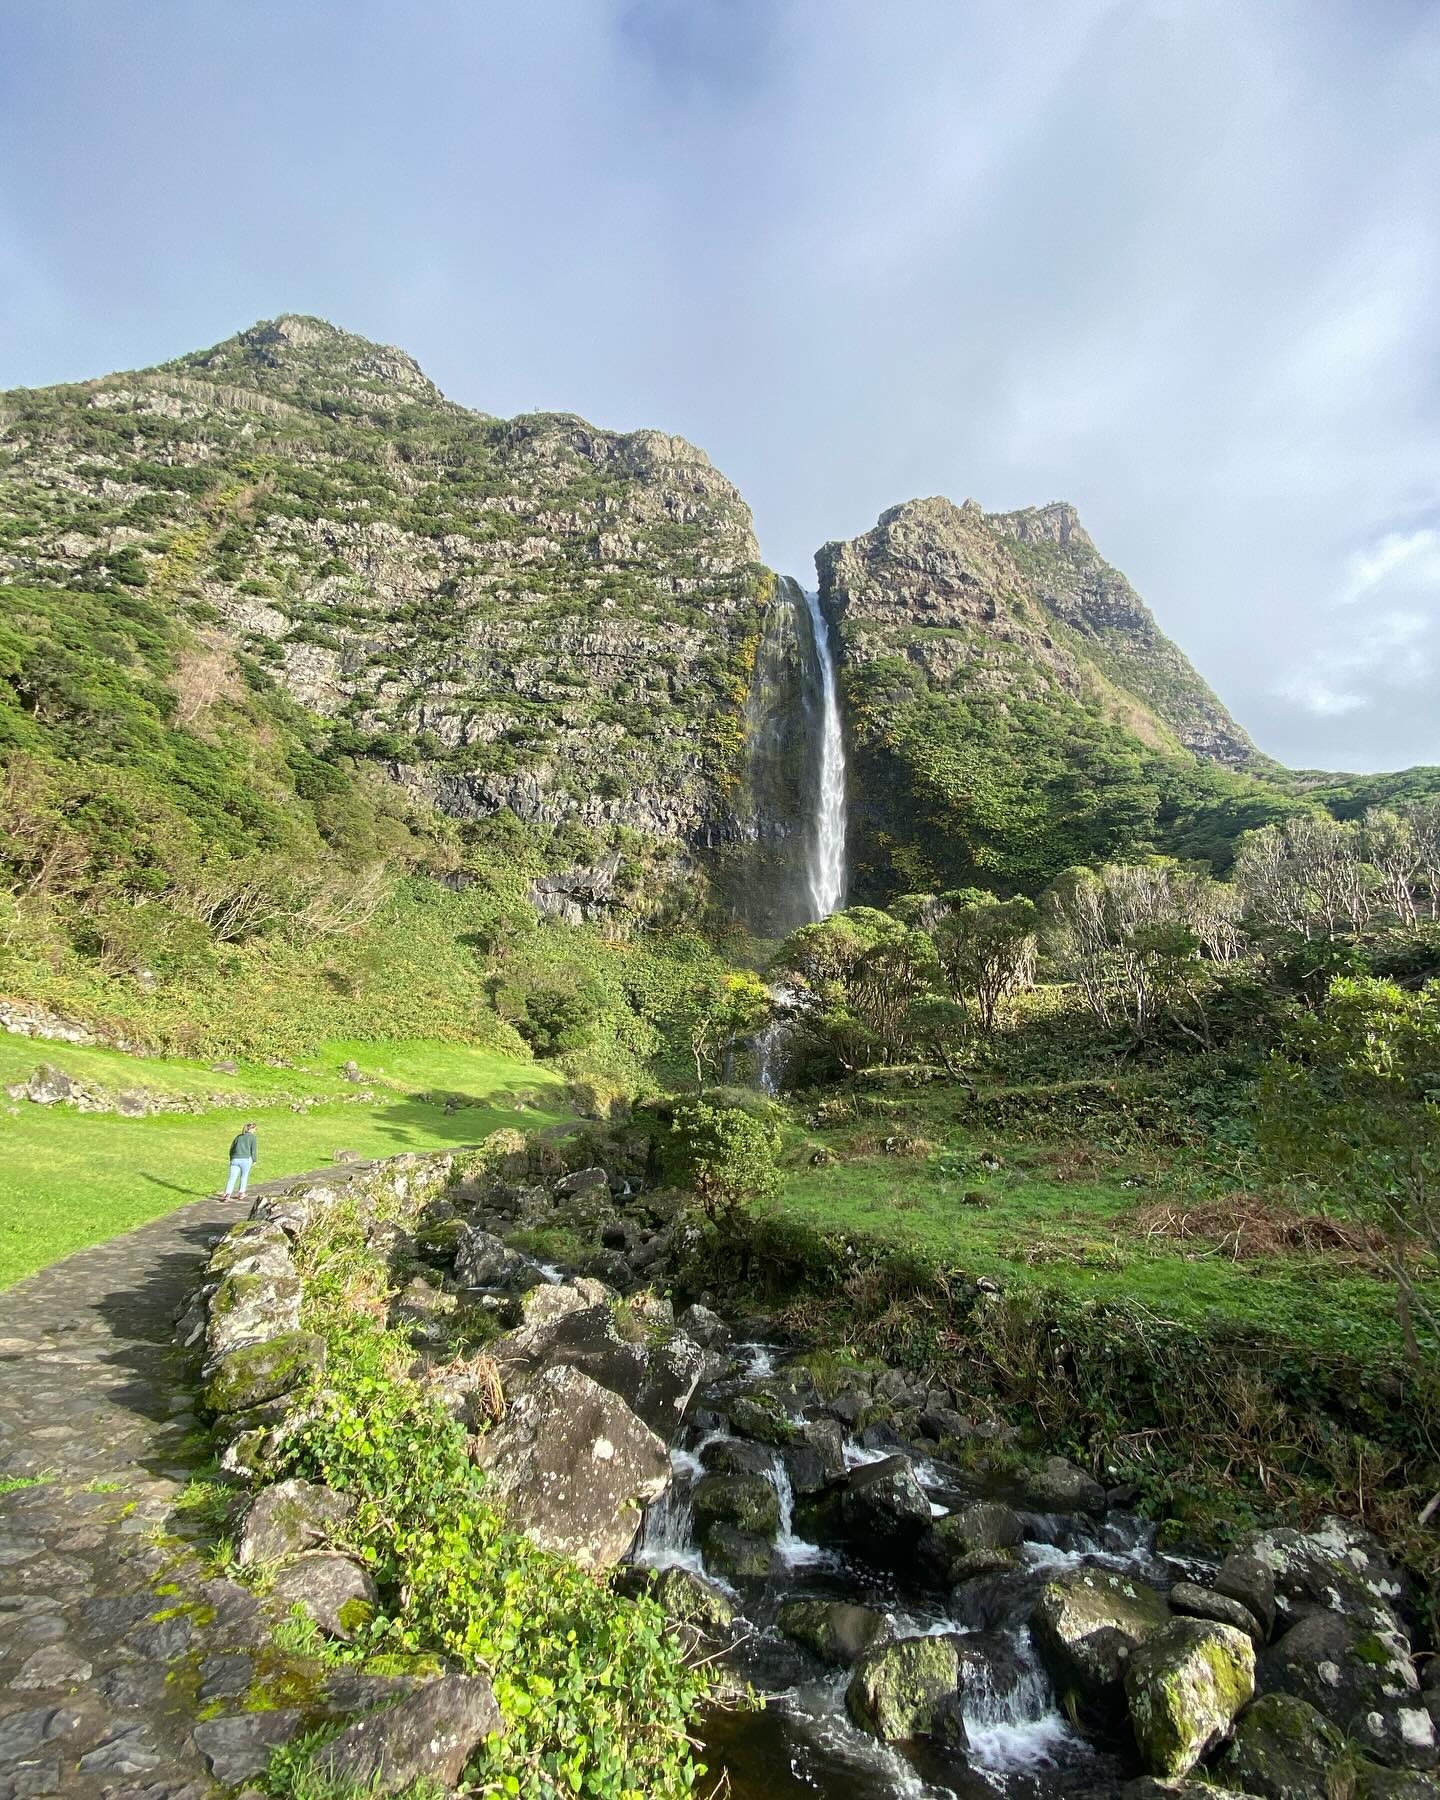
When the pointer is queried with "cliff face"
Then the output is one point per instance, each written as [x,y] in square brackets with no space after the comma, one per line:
[533,613]
[1014,707]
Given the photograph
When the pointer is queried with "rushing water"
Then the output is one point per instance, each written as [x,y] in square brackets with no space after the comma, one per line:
[802,1742]
[825,863]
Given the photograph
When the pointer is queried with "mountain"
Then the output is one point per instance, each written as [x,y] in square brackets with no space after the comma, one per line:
[296,595]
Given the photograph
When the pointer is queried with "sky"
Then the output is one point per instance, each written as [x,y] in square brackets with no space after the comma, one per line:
[1176,261]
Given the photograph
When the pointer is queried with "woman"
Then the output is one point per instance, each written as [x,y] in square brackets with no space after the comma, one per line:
[243,1153]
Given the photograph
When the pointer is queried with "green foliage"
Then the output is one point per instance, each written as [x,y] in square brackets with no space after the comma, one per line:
[723,1154]
[594,1688]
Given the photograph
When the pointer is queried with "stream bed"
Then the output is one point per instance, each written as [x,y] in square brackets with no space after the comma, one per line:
[1017,1740]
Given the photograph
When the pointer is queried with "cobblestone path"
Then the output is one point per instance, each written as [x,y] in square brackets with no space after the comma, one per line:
[113,1635]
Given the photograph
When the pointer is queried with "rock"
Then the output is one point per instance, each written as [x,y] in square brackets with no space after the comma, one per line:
[1251,1581]
[1282,1750]
[816,1456]
[256,1300]
[688,1599]
[706,1328]
[226,1066]
[739,1555]
[879,1508]
[836,1632]
[1056,1485]
[52,1666]
[254,1373]
[1196,1602]
[483,1260]
[1372,1783]
[290,1517]
[574,1466]
[1361,1681]
[346,1156]
[656,1381]
[733,1456]
[1086,1625]
[237,1748]
[1185,1684]
[428,1736]
[583,1181]
[761,1417]
[748,1502]
[1148,1788]
[552,1301]
[977,1540]
[899,1690]
[336,1593]
[1336,1568]
[48,1086]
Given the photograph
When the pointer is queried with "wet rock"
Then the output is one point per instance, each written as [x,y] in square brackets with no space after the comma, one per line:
[685,1597]
[1185,1684]
[583,1181]
[290,1517]
[1086,1625]
[706,1328]
[1251,1581]
[878,1508]
[737,1555]
[1282,1750]
[656,1381]
[1361,1680]
[816,1456]
[748,1502]
[836,1632]
[429,1735]
[977,1540]
[254,1373]
[900,1690]
[733,1456]
[483,1260]
[574,1466]
[1196,1602]
[330,1589]
[1148,1788]
[762,1417]
[1373,1783]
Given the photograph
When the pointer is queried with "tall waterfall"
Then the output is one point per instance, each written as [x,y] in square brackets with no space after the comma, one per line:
[825,859]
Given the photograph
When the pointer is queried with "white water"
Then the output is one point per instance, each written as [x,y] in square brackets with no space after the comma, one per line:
[825,864]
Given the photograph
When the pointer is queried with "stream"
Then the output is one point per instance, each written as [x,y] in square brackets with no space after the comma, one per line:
[802,1741]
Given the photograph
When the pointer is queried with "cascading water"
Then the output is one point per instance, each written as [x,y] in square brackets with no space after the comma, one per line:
[825,864]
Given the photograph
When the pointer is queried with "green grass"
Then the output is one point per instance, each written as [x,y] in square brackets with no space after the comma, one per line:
[116,1072]
[1080,1236]
[73,1179]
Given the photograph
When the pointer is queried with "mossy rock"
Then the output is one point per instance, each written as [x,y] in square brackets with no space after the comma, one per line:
[747,1502]
[834,1631]
[762,1418]
[1185,1685]
[737,1555]
[1085,1627]
[691,1600]
[1284,1750]
[900,1690]
[254,1373]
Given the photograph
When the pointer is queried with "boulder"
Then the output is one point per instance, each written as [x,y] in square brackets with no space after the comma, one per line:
[762,1417]
[738,1555]
[251,1374]
[748,1502]
[656,1381]
[583,1181]
[1086,1624]
[879,1509]
[1373,1783]
[1282,1750]
[429,1736]
[290,1517]
[1185,1684]
[976,1540]
[483,1260]
[733,1456]
[1251,1581]
[707,1328]
[257,1299]
[688,1599]
[834,1631]
[1196,1602]
[330,1589]
[1335,1568]
[1361,1680]
[1146,1787]
[552,1301]
[900,1690]
[1058,1486]
[48,1086]
[574,1466]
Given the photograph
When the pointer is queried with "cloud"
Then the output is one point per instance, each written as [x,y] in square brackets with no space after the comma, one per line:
[1177,263]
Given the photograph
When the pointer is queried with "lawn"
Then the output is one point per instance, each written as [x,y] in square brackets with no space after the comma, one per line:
[1028,1227]
[72,1179]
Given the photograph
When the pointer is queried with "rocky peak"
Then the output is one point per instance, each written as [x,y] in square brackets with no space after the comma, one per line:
[296,352]
[1058,524]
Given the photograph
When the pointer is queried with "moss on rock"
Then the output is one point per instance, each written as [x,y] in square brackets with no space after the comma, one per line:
[898,1690]
[1185,1685]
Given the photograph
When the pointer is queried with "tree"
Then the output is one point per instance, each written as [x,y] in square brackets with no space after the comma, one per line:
[987,949]
[719,1009]
[722,1155]
[1353,1101]
[1306,877]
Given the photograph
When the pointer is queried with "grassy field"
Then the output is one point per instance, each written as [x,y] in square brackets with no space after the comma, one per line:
[1084,1221]
[72,1179]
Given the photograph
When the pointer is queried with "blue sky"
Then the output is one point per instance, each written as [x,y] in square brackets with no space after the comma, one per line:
[1177,261]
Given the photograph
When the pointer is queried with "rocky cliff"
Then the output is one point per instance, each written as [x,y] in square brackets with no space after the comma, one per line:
[532,614]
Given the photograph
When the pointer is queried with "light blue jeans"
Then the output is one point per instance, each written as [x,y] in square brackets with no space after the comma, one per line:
[239,1171]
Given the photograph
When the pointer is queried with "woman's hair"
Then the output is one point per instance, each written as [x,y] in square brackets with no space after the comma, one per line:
[250,1125]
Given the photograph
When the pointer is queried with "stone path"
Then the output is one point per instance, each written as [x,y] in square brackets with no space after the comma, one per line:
[113,1636]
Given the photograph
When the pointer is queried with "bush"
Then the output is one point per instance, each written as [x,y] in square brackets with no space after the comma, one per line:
[723,1155]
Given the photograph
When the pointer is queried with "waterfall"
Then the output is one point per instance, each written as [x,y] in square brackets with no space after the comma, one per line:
[825,861]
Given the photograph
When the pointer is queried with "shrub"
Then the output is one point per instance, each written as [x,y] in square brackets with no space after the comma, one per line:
[723,1155]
